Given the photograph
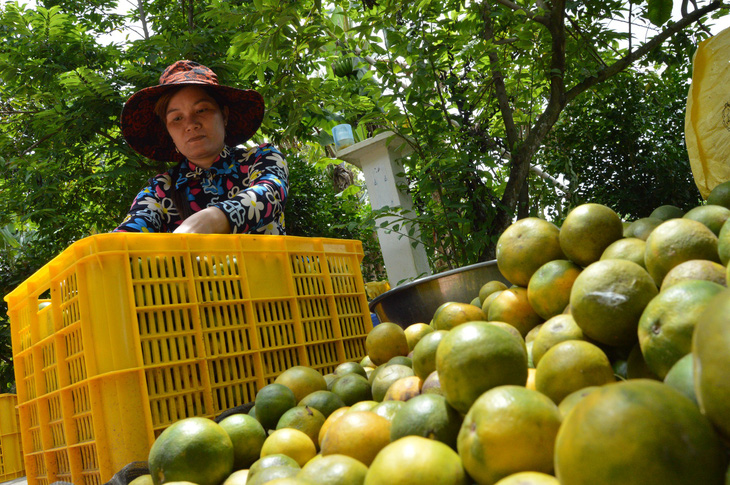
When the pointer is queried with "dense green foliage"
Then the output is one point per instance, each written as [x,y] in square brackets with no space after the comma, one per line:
[630,135]
[474,87]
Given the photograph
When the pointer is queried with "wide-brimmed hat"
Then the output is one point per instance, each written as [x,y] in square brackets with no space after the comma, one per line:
[147,135]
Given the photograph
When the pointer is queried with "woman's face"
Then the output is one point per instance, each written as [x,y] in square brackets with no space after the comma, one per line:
[197,125]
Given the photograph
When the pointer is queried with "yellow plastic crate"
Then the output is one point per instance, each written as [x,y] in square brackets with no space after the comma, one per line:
[11,452]
[147,329]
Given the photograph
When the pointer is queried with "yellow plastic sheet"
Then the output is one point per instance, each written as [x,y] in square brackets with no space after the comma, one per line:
[707,120]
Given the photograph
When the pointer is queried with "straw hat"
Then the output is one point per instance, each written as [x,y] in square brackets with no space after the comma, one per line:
[147,135]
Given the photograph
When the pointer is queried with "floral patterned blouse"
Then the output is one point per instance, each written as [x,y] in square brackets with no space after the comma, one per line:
[249,185]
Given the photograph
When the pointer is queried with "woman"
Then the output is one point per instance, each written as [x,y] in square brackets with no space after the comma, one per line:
[215,186]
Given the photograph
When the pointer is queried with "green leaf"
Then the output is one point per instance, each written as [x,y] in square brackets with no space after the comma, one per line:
[659,11]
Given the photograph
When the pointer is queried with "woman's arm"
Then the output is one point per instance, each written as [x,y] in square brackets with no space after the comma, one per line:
[260,207]
[151,210]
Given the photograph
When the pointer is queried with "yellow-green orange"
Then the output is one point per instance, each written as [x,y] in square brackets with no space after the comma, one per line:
[273,460]
[478,349]
[385,341]
[532,334]
[432,384]
[302,380]
[681,377]
[291,442]
[386,377]
[142,480]
[676,241]
[358,434]
[608,298]
[549,289]
[429,416]
[668,321]
[488,301]
[490,287]
[328,422]
[416,460]
[511,329]
[712,216]
[271,402]
[239,477]
[325,402]
[404,389]
[191,449]
[637,432]
[415,332]
[352,388]
[363,405]
[509,429]
[305,419]
[526,245]
[271,474]
[667,212]
[512,306]
[388,409]
[720,194]
[723,244]
[247,436]
[529,478]
[711,350]
[630,248]
[569,401]
[587,231]
[558,329]
[456,313]
[334,470]
[400,359]
[424,353]
[641,228]
[350,368]
[572,365]
[695,269]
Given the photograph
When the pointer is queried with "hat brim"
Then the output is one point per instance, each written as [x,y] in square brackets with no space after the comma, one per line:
[147,135]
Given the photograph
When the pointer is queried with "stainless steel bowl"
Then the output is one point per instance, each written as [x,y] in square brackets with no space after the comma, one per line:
[415,302]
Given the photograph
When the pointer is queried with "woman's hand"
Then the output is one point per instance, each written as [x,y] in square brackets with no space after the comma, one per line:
[207,221]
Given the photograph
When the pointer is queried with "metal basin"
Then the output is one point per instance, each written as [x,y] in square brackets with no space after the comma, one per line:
[416,302]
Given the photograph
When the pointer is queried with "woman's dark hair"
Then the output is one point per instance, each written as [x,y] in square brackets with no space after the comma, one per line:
[181,204]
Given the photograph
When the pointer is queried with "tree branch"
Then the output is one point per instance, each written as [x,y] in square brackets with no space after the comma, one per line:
[143,18]
[528,13]
[520,160]
[47,137]
[498,80]
[557,99]
[591,47]
[656,41]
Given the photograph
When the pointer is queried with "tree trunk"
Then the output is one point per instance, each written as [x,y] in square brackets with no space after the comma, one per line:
[143,19]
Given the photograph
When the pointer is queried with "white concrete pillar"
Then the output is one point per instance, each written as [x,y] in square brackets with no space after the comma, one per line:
[377,158]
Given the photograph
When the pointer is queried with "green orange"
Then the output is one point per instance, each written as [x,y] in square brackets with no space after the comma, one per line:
[526,245]
[478,349]
[711,350]
[637,432]
[587,231]
[385,341]
[608,298]
[513,306]
[416,460]
[668,321]
[192,449]
[676,241]
[509,429]
[247,436]
[570,366]
[548,291]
